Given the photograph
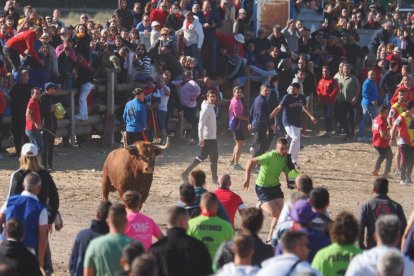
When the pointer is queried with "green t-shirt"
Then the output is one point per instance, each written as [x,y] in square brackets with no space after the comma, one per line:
[334,259]
[210,230]
[104,254]
[271,166]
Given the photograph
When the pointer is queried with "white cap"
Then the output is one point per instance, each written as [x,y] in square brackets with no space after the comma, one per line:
[239,38]
[29,149]
[155,23]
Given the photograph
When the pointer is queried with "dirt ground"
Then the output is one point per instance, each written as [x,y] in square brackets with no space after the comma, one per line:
[343,168]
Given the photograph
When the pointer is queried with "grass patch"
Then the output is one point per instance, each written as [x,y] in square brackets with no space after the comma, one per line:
[100,17]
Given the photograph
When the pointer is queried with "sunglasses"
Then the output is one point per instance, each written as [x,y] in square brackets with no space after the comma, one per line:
[84,17]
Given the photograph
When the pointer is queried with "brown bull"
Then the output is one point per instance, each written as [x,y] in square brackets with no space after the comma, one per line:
[130,168]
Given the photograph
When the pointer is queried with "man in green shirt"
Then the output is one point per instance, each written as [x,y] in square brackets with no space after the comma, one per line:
[268,190]
[208,227]
[335,258]
[103,256]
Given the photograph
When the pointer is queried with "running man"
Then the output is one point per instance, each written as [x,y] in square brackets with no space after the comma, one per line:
[268,189]
[292,106]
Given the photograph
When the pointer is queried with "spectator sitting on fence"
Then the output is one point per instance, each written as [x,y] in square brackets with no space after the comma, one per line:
[260,75]
[85,76]
[236,67]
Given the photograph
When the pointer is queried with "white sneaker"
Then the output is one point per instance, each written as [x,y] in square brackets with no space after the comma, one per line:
[404,183]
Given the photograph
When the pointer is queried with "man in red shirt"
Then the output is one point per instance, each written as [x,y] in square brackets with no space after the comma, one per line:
[34,120]
[404,124]
[327,90]
[381,141]
[18,45]
[160,14]
[406,86]
[231,201]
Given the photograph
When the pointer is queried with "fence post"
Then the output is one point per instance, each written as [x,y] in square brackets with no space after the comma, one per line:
[72,118]
[108,140]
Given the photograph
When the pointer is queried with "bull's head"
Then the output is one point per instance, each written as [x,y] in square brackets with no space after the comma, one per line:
[146,153]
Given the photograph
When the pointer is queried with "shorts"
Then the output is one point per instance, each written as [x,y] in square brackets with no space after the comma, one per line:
[238,134]
[265,194]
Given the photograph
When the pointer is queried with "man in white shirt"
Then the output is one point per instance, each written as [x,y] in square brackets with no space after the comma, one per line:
[207,135]
[193,36]
[387,234]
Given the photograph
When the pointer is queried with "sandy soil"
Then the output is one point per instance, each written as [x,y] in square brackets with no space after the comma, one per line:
[344,168]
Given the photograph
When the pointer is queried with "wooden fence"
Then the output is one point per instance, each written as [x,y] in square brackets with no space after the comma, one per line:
[70,127]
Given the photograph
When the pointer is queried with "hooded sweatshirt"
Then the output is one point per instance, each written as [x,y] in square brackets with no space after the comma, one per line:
[207,125]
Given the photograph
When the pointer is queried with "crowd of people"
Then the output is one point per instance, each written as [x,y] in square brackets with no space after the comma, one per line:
[187,65]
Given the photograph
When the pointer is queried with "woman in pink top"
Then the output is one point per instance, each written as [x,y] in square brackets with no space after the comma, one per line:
[139,227]
[236,118]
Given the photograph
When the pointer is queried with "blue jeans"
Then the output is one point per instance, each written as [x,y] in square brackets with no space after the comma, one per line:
[368,112]
[35,137]
[328,111]
[162,115]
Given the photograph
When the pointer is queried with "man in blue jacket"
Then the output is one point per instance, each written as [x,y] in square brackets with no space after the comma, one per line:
[27,208]
[369,103]
[135,117]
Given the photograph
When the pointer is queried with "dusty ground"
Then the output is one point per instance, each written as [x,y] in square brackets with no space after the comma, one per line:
[343,168]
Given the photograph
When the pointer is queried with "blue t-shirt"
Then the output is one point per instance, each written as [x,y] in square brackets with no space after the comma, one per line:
[292,109]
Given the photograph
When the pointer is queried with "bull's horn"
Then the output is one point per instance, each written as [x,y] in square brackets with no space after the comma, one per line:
[167,144]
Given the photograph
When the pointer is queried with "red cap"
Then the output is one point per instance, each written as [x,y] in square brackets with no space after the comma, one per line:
[412,17]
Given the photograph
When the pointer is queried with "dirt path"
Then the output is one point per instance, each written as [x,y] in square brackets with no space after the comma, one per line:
[342,168]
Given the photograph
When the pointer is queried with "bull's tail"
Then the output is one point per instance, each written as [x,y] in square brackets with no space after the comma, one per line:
[106,183]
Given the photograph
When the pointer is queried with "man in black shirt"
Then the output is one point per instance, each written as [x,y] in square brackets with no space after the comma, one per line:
[259,121]
[389,82]
[13,249]
[379,205]
[19,98]
[178,253]
[48,103]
